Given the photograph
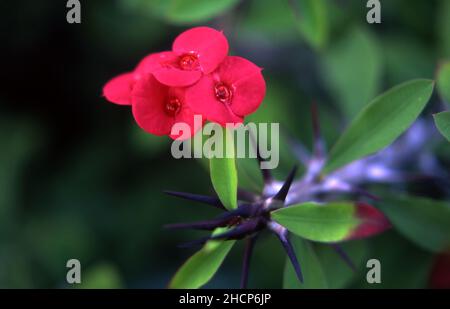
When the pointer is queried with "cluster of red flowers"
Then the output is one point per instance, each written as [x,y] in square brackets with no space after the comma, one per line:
[196,78]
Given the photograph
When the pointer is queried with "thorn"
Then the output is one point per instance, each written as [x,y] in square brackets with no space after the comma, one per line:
[213,201]
[199,225]
[344,256]
[281,195]
[318,143]
[246,260]
[282,234]
[238,232]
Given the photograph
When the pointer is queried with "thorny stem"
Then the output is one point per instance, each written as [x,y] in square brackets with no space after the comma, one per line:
[253,212]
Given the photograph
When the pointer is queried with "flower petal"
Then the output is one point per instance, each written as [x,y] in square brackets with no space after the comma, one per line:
[210,45]
[155,61]
[118,90]
[174,77]
[249,87]
[188,117]
[202,100]
[164,66]
[148,100]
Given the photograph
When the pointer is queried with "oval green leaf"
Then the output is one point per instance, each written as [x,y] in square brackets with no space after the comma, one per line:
[442,121]
[201,267]
[224,174]
[323,223]
[332,222]
[381,122]
[424,221]
[314,277]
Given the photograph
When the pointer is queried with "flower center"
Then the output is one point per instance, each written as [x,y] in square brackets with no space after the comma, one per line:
[223,93]
[189,62]
[172,107]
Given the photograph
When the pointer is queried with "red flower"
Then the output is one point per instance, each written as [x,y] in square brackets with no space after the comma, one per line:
[195,77]
[195,52]
[233,91]
[157,107]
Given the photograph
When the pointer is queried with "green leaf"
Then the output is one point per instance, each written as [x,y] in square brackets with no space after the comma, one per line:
[443,81]
[338,274]
[424,221]
[186,11]
[331,222]
[352,69]
[314,277]
[323,223]
[312,21]
[224,174]
[381,122]
[442,121]
[202,266]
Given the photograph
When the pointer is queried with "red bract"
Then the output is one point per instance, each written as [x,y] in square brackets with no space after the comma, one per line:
[372,222]
[195,52]
[157,107]
[231,92]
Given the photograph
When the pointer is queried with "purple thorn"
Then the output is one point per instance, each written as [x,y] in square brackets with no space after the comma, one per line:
[199,225]
[213,201]
[344,256]
[246,261]
[240,231]
[283,235]
[291,254]
[281,195]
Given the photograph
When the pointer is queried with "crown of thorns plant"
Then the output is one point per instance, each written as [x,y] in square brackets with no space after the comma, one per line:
[254,213]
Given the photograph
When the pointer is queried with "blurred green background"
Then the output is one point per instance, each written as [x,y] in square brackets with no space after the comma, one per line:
[79,179]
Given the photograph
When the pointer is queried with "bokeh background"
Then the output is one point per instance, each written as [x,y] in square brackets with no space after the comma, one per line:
[79,179]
